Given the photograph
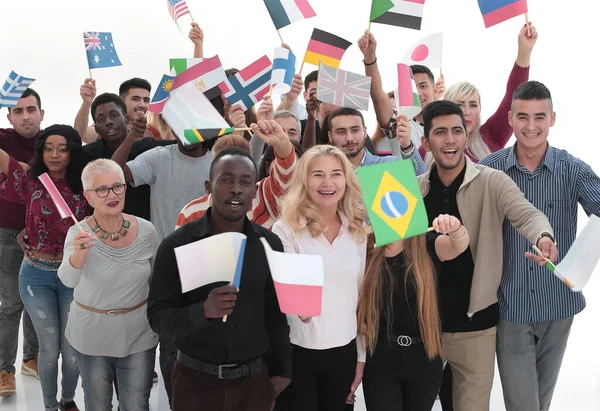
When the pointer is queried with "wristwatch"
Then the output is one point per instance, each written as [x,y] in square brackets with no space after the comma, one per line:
[545,235]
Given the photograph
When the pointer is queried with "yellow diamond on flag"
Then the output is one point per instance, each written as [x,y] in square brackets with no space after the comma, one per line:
[394,204]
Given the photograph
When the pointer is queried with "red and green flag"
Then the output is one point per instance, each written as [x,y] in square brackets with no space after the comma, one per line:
[407,95]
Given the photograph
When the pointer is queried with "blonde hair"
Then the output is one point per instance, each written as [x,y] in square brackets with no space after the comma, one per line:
[98,167]
[460,92]
[375,300]
[297,205]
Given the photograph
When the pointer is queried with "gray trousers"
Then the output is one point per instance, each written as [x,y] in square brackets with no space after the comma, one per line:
[529,360]
[11,306]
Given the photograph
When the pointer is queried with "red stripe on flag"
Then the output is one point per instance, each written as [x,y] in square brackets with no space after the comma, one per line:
[416,1]
[505,13]
[305,8]
[200,69]
[263,92]
[59,201]
[255,68]
[326,49]
[296,299]
[405,90]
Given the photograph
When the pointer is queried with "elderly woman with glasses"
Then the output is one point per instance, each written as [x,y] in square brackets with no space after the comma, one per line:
[109,266]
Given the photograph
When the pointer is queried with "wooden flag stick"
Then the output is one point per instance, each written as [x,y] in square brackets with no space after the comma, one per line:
[192,17]
[243,129]
[280,38]
[90,70]
[77,223]
[528,25]
[369,27]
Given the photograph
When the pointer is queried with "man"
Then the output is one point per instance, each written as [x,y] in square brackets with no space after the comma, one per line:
[264,209]
[134,92]
[536,308]
[18,142]
[112,124]
[221,365]
[290,101]
[347,131]
[427,88]
[481,198]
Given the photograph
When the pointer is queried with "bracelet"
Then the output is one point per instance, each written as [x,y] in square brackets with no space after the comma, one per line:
[410,146]
[458,239]
[370,64]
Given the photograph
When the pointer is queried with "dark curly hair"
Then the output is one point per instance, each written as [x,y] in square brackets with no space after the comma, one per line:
[75,166]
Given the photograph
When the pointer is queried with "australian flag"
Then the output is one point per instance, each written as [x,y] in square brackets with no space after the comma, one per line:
[100,50]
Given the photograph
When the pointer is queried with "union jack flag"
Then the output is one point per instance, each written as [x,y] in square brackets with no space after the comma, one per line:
[250,85]
[13,89]
[177,8]
[343,88]
[91,40]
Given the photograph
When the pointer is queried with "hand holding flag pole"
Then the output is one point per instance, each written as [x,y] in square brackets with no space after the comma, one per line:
[528,24]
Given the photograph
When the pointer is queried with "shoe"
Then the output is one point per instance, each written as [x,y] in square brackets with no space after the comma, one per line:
[67,406]
[154,377]
[30,368]
[7,384]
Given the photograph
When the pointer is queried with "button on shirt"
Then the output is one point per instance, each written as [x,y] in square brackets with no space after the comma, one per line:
[256,326]
[528,292]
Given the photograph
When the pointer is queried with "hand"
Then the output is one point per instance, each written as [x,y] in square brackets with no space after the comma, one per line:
[220,302]
[272,134]
[403,131]
[265,111]
[526,42]
[196,35]
[547,248]
[368,46]
[297,85]
[440,88]
[285,46]
[236,115]
[22,241]
[87,91]
[137,128]
[313,105]
[280,384]
[82,243]
[446,224]
[360,367]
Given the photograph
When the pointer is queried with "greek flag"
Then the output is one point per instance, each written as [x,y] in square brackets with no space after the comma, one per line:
[13,89]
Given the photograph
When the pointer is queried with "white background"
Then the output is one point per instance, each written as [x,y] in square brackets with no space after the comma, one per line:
[43,39]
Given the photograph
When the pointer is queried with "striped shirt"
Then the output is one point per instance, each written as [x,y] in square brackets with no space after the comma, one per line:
[528,292]
[266,203]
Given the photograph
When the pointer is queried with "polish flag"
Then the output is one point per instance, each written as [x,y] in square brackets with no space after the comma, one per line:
[298,280]
[59,201]
[427,52]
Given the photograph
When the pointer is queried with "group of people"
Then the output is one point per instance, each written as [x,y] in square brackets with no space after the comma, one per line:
[419,317]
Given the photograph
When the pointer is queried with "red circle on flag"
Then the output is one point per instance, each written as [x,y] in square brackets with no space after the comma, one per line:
[420,53]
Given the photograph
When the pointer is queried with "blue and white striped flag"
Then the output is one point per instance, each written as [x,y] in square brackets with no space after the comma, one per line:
[284,67]
[13,89]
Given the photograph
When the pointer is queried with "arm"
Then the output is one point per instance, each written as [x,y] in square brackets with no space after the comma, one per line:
[197,37]
[381,102]
[313,106]
[87,91]
[264,113]
[456,238]
[403,147]
[74,258]
[588,189]
[13,179]
[120,156]
[290,99]
[496,131]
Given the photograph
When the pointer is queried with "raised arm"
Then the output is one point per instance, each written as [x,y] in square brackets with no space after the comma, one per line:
[309,138]
[381,102]
[13,179]
[403,147]
[289,101]
[197,37]
[136,132]
[87,91]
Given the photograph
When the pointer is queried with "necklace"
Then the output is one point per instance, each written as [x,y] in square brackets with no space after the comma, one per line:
[113,236]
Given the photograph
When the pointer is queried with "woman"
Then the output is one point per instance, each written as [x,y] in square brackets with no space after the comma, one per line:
[399,320]
[110,271]
[267,164]
[322,214]
[45,297]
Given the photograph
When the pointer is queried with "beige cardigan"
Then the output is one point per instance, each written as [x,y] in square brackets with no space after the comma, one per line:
[484,199]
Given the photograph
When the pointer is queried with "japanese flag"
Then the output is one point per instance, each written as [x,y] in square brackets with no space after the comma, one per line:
[427,52]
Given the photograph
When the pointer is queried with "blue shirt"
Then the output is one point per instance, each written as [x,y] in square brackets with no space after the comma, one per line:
[370,159]
[528,292]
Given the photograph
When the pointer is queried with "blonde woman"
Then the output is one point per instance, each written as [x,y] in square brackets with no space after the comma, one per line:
[399,319]
[322,215]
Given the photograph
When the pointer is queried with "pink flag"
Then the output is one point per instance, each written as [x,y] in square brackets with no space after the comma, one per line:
[59,201]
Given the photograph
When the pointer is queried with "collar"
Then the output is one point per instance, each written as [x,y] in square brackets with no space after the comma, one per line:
[366,155]
[549,158]
[203,229]
[303,221]
[455,185]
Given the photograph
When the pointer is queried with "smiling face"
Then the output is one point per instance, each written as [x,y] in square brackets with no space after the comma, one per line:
[56,155]
[26,117]
[326,183]
[447,141]
[348,134]
[425,88]
[137,102]
[471,108]
[111,123]
[531,121]
[107,194]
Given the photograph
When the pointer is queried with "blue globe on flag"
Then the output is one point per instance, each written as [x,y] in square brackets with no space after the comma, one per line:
[394,204]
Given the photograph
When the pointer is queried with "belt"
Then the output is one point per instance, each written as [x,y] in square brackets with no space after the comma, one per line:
[406,341]
[112,312]
[223,371]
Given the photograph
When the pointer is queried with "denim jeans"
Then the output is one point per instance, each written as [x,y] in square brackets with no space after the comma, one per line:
[11,305]
[48,300]
[133,375]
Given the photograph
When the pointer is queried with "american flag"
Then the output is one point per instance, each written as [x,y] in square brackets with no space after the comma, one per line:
[343,88]
[177,8]
[91,40]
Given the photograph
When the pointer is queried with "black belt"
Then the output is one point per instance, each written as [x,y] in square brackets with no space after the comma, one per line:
[223,371]
[406,341]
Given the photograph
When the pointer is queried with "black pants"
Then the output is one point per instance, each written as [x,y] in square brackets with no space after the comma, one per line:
[321,379]
[446,390]
[166,359]
[401,378]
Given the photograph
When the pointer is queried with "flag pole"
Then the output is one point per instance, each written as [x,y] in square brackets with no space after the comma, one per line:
[77,223]
[192,17]
[280,38]
[528,24]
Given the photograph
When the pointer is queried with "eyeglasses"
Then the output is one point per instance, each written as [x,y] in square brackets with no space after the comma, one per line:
[102,192]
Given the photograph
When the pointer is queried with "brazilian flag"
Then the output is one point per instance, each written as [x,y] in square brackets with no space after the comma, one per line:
[393,200]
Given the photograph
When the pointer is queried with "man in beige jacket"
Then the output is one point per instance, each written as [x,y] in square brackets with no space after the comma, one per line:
[482,198]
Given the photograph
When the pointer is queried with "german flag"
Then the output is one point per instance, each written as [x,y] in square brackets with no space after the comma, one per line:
[197,135]
[325,47]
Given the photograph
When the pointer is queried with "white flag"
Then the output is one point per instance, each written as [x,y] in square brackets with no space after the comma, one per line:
[427,52]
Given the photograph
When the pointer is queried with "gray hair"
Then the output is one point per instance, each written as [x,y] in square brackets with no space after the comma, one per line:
[287,114]
[98,167]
